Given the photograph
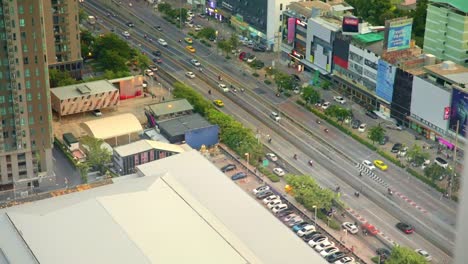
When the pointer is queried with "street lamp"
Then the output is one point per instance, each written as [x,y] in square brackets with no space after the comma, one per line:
[315,214]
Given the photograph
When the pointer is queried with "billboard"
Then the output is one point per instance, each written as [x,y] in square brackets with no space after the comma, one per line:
[459,112]
[385,80]
[399,34]
[291,29]
[350,25]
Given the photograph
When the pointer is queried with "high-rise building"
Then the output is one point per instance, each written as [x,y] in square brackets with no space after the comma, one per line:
[446,34]
[26,128]
[63,36]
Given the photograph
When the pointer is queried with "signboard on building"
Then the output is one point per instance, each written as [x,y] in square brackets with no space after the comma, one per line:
[459,112]
[398,34]
[291,29]
[385,80]
[350,25]
[446,113]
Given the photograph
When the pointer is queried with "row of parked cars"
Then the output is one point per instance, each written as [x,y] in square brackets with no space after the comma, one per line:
[305,230]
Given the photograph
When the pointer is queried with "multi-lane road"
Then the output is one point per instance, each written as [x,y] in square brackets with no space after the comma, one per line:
[334,153]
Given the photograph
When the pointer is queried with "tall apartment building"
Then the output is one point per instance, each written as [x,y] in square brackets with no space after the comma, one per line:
[446,34]
[63,36]
[26,129]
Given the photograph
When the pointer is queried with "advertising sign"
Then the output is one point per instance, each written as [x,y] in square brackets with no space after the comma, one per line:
[459,112]
[385,80]
[291,29]
[446,113]
[350,25]
[399,34]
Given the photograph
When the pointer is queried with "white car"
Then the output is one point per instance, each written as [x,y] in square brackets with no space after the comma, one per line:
[368,164]
[279,208]
[424,253]
[190,75]
[279,171]
[329,251]
[162,42]
[306,230]
[198,28]
[270,198]
[362,128]
[345,260]
[195,62]
[324,245]
[251,59]
[275,116]
[262,188]
[149,72]
[314,242]
[403,152]
[271,156]
[352,228]
[126,34]
[339,99]
[289,217]
[274,203]
[223,87]
[326,105]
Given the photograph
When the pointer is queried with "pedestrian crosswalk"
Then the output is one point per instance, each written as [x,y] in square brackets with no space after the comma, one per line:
[363,170]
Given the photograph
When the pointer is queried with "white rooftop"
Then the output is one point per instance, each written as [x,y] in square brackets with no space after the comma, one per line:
[143,145]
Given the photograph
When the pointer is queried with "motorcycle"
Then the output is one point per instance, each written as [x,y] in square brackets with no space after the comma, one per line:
[326,130]
[311,163]
[318,121]
[295,156]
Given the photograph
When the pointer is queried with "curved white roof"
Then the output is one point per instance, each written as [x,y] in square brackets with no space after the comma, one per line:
[112,126]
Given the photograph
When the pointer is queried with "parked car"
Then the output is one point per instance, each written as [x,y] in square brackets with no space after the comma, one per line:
[288,217]
[310,236]
[228,167]
[396,148]
[317,240]
[261,189]
[275,116]
[384,140]
[406,228]
[371,114]
[403,152]
[149,72]
[223,87]
[270,198]
[263,195]
[325,105]
[274,203]
[339,99]
[324,245]
[345,260]
[190,75]
[238,176]
[195,62]
[97,112]
[306,230]
[362,128]
[328,251]
[335,256]
[424,253]
[441,162]
[356,123]
[198,28]
[284,213]
[162,42]
[259,48]
[381,165]
[279,171]
[271,156]
[296,220]
[251,58]
[368,164]
[279,208]
[153,67]
[242,55]
[352,228]
[298,227]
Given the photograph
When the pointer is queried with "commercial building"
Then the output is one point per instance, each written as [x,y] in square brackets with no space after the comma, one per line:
[84,97]
[446,30]
[144,218]
[167,110]
[126,157]
[26,131]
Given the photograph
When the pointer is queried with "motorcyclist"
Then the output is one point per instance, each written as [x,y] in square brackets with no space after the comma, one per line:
[311,163]
[326,130]
[295,156]
[390,191]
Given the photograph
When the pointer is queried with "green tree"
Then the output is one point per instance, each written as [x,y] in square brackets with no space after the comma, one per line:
[310,95]
[405,255]
[142,61]
[332,110]
[82,16]
[326,85]
[96,155]
[416,155]
[111,60]
[307,192]
[234,41]
[111,42]
[225,46]
[59,78]
[207,33]
[419,21]
[164,8]
[434,172]
[83,167]
[376,134]
[343,113]
[284,81]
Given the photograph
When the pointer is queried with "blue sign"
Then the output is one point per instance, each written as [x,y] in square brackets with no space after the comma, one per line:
[459,112]
[385,80]
[399,35]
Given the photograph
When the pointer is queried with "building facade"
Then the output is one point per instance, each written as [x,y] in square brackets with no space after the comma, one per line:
[62,34]
[446,30]
[26,136]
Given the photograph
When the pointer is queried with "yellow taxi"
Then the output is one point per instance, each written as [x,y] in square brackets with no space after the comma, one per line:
[191,49]
[381,165]
[218,103]
[188,40]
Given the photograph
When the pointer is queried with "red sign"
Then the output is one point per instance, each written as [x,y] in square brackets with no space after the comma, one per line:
[300,22]
[446,113]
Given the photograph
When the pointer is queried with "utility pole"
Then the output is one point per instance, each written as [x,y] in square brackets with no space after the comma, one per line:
[452,176]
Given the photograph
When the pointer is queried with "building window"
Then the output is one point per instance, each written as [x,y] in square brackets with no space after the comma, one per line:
[29,97]
[25,48]
[281,7]
[31,120]
[20,10]
[21,22]
[30,108]
[3,111]
[37,72]
[38,96]
[27,73]
[28,84]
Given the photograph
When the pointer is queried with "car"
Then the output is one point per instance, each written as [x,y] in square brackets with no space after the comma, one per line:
[279,208]
[190,75]
[317,240]
[195,62]
[188,40]
[158,28]
[144,84]
[270,198]
[296,220]
[355,123]
[383,252]
[130,4]
[223,87]
[279,171]
[424,253]
[162,42]
[156,53]
[191,49]
[263,195]
[149,72]
[362,128]
[238,176]
[198,28]
[406,228]
[329,251]
[126,34]
[261,189]
[246,56]
[271,156]
[259,48]
[296,78]
[372,114]
[274,203]
[288,217]
[335,256]
[441,162]
[306,230]
[310,236]
[130,24]
[325,105]
[403,152]
[345,260]
[157,60]
[384,140]
[275,116]
[381,165]
[339,99]
[251,58]
[352,228]
[298,227]
[242,55]
[228,167]
[97,112]
[324,245]
[368,164]
[218,103]
[396,147]
[153,67]
[285,213]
